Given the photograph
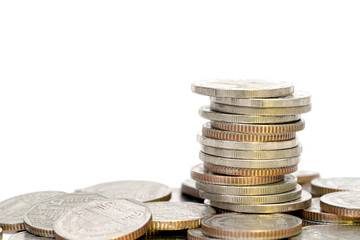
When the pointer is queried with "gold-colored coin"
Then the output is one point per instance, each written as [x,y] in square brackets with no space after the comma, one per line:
[321,186]
[210,132]
[345,204]
[305,176]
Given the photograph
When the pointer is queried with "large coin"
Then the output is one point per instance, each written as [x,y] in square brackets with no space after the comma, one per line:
[303,202]
[199,174]
[341,203]
[13,209]
[242,88]
[305,176]
[27,236]
[142,191]
[329,232]
[169,216]
[298,98]
[197,234]
[40,218]
[251,226]
[118,219]
[321,186]
[288,184]
[207,113]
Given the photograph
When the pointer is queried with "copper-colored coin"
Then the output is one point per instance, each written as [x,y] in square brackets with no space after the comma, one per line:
[259,128]
[210,132]
[188,188]
[197,234]
[249,172]
[251,226]
[305,176]
[198,173]
[321,186]
[341,203]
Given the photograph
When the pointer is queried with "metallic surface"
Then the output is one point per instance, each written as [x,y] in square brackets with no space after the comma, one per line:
[188,188]
[305,176]
[27,236]
[341,203]
[329,232]
[321,186]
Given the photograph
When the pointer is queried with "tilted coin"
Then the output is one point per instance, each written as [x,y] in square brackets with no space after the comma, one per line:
[259,128]
[197,234]
[298,98]
[210,132]
[199,174]
[247,163]
[27,236]
[218,107]
[142,191]
[13,209]
[303,202]
[178,196]
[306,186]
[118,219]
[331,232]
[218,143]
[305,176]
[251,226]
[321,186]
[288,184]
[177,216]
[341,203]
[207,113]
[40,218]
[241,88]
[188,188]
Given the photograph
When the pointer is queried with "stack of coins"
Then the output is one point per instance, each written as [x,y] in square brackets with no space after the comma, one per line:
[249,147]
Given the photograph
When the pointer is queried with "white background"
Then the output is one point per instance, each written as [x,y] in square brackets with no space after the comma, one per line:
[95,91]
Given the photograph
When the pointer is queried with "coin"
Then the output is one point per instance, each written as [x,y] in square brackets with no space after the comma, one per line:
[177,215]
[27,236]
[207,113]
[159,237]
[188,188]
[305,176]
[259,128]
[251,226]
[211,142]
[13,209]
[241,88]
[325,232]
[39,219]
[199,174]
[288,184]
[298,98]
[341,203]
[142,191]
[218,107]
[177,196]
[247,163]
[303,202]
[197,234]
[321,186]
[120,219]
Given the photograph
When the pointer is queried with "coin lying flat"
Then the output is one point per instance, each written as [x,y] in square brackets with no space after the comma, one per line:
[197,234]
[119,219]
[207,113]
[298,98]
[331,232]
[188,188]
[27,236]
[321,186]
[251,226]
[341,203]
[305,176]
[169,216]
[13,209]
[142,191]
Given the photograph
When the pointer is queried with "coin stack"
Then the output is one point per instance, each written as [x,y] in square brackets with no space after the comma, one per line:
[249,147]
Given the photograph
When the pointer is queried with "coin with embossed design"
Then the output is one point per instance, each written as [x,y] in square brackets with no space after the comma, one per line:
[27,236]
[321,186]
[341,203]
[329,232]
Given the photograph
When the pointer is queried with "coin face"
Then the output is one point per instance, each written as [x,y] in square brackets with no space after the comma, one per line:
[104,219]
[331,232]
[142,191]
[27,236]
[40,218]
[305,176]
[235,226]
[322,186]
[341,203]
[12,210]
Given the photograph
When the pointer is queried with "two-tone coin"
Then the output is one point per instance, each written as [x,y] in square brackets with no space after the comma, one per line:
[305,176]
[341,203]
[321,186]
[326,232]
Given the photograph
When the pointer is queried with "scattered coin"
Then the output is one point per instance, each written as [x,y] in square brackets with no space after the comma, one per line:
[197,234]
[325,232]
[178,196]
[305,176]
[27,236]
[188,188]
[321,186]
[341,203]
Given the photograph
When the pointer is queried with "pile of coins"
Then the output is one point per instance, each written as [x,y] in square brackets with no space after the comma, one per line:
[304,178]
[249,147]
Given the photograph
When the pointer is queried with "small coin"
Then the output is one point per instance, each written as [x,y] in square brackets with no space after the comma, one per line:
[39,219]
[210,132]
[188,188]
[218,107]
[242,88]
[288,184]
[298,98]
[305,176]
[329,232]
[341,203]
[27,236]
[251,226]
[142,191]
[303,202]
[199,174]
[207,113]
[178,196]
[169,216]
[321,186]
[13,209]
[120,219]
[197,234]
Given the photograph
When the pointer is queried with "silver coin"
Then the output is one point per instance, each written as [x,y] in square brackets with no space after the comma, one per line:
[178,196]
[27,236]
[40,218]
[104,219]
[197,234]
[188,188]
[327,185]
[12,210]
[142,191]
[329,232]
[347,200]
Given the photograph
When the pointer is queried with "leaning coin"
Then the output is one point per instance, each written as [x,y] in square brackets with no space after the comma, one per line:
[119,219]
[39,219]
[325,232]
[188,188]
[251,226]
[178,196]
[241,88]
[197,234]
[341,203]
[27,236]
[321,186]
[142,191]
[13,209]
[305,176]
